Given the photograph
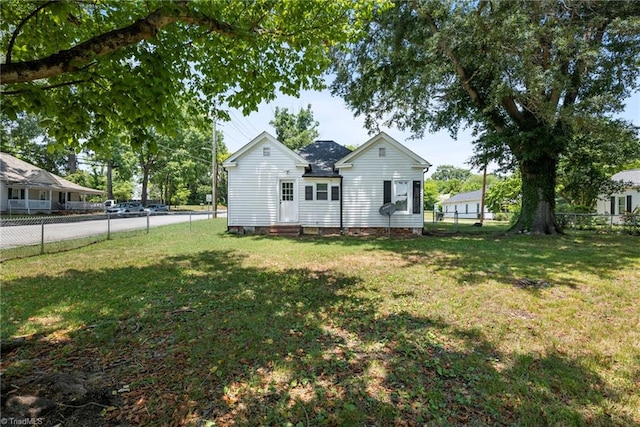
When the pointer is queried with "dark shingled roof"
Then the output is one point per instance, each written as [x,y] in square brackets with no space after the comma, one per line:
[322,155]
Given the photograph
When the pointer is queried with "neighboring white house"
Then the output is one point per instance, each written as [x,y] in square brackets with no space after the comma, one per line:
[627,200]
[324,188]
[25,188]
[466,204]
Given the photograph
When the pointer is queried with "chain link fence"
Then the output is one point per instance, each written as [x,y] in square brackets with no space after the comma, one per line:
[628,223]
[28,236]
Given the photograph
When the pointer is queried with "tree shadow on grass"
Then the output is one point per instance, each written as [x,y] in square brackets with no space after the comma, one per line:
[206,339]
[472,259]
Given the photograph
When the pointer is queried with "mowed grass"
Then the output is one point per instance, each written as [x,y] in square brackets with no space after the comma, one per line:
[207,328]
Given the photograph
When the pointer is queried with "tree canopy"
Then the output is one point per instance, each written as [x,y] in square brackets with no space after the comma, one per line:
[525,75]
[295,130]
[84,65]
[449,172]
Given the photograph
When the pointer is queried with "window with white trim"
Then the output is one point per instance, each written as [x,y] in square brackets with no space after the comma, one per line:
[398,192]
[16,193]
[322,191]
[401,195]
[622,205]
[266,151]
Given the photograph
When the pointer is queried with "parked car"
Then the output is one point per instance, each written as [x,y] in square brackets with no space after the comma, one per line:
[156,209]
[109,204]
[125,209]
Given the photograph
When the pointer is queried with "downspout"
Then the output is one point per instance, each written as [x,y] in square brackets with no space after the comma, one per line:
[422,199]
[226,170]
[341,207]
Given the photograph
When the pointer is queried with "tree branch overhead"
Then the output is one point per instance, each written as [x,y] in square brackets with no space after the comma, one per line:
[77,57]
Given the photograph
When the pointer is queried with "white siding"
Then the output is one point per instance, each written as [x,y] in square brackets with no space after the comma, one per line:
[363,189]
[473,205]
[319,213]
[603,206]
[253,186]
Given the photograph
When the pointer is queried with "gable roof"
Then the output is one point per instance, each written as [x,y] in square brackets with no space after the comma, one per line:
[464,197]
[419,162]
[264,136]
[322,156]
[16,171]
[631,175]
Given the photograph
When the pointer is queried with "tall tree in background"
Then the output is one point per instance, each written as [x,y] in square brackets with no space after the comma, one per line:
[585,169]
[450,179]
[529,74]
[448,172]
[83,64]
[24,138]
[295,130]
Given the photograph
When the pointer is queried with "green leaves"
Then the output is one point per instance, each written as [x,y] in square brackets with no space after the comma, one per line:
[132,62]
[524,74]
[295,130]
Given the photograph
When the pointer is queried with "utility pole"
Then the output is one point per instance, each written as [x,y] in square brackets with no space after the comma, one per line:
[214,170]
[484,190]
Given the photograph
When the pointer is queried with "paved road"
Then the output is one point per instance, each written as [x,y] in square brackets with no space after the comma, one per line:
[23,235]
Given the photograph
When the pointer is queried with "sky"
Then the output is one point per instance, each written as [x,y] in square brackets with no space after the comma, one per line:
[337,122]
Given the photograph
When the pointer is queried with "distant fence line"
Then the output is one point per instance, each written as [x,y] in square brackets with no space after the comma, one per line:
[587,221]
[567,220]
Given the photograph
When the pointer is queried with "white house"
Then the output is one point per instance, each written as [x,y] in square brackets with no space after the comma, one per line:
[627,200]
[324,188]
[26,188]
[466,204]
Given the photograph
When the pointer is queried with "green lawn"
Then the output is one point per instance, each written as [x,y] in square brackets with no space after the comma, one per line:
[197,327]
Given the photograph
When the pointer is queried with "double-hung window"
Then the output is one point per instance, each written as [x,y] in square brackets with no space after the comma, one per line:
[322,191]
[401,195]
[622,204]
[399,192]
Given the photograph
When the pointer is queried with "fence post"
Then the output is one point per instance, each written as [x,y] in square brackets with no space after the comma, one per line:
[42,237]
[190,228]
[108,227]
[455,222]
[148,214]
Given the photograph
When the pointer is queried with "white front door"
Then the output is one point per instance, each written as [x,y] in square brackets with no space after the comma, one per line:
[288,204]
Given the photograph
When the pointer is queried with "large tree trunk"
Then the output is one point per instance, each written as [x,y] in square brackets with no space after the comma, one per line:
[538,196]
[145,183]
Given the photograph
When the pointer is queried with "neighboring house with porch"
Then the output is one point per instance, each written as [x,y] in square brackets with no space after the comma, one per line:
[627,200]
[25,188]
[324,188]
[467,205]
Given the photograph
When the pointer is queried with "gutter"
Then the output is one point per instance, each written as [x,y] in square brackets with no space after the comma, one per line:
[341,206]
